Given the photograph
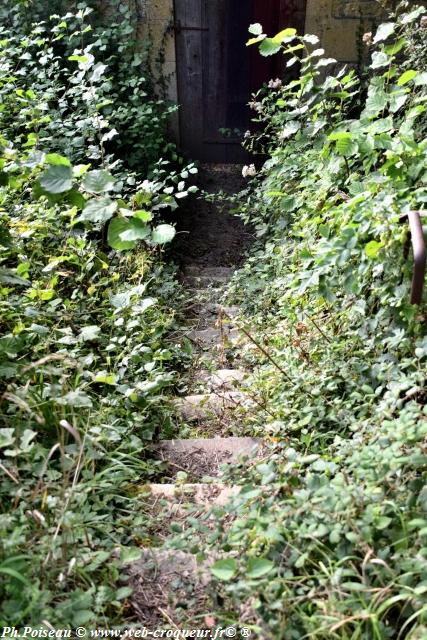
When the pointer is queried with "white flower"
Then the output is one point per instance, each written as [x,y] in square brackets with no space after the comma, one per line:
[249,171]
[275,84]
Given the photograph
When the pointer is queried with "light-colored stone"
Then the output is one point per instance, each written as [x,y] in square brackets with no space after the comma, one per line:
[202,494]
[204,456]
[205,406]
[225,379]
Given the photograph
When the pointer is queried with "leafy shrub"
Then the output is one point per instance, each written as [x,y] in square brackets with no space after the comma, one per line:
[85,354]
[328,539]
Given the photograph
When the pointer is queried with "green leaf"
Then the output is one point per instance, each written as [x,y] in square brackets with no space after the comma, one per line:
[115,230]
[144,216]
[98,181]
[372,248]
[163,233]
[268,47]
[137,231]
[8,276]
[224,569]
[290,129]
[345,143]
[283,35]
[57,159]
[255,40]
[406,77]
[75,399]
[89,333]
[83,616]
[311,38]
[379,59]
[98,210]
[392,49]
[384,31]
[129,554]
[58,178]
[106,378]
[421,79]
[258,567]
[255,29]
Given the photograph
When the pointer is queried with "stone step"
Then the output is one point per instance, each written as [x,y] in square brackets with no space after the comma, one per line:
[204,456]
[207,406]
[224,379]
[201,494]
[202,282]
[195,270]
[210,337]
[202,296]
[163,582]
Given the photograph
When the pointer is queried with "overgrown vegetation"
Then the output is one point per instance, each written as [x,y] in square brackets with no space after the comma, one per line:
[84,354]
[329,535]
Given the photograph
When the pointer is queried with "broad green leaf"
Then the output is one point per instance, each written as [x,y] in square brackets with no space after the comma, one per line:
[224,569]
[106,378]
[98,181]
[75,399]
[392,49]
[144,216]
[83,616]
[7,437]
[406,77]
[421,79]
[137,231]
[311,38]
[123,592]
[268,47]
[163,233]
[57,159]
[384,31]
[290,129]
[255,29]
[344,141]
[129,554]
[255,40]
[258,567]
[283,35]
[99,210]
[372,248]
[376,102]
[89,333]
[379,59]
[115,230]
[58,178]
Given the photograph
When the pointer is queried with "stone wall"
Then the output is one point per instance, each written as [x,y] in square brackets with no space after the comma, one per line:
[340,24]
[155,18]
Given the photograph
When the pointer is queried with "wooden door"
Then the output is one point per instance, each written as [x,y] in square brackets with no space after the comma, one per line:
[217,72]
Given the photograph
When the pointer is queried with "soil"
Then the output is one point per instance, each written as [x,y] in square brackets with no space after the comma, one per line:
[208,235]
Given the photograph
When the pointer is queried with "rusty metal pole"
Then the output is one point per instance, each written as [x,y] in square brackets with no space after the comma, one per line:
[419,249]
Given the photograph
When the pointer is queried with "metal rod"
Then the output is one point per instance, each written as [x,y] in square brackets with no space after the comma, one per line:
[419,249]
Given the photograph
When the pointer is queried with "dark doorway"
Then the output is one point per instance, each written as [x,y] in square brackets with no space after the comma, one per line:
[217,72]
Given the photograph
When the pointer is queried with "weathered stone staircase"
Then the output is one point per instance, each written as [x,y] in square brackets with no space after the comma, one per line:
[165,580]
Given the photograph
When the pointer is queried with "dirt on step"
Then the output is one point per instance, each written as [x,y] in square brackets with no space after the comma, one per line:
[208,235]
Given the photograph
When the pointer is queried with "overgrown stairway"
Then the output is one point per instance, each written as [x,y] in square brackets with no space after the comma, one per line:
[166,581]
